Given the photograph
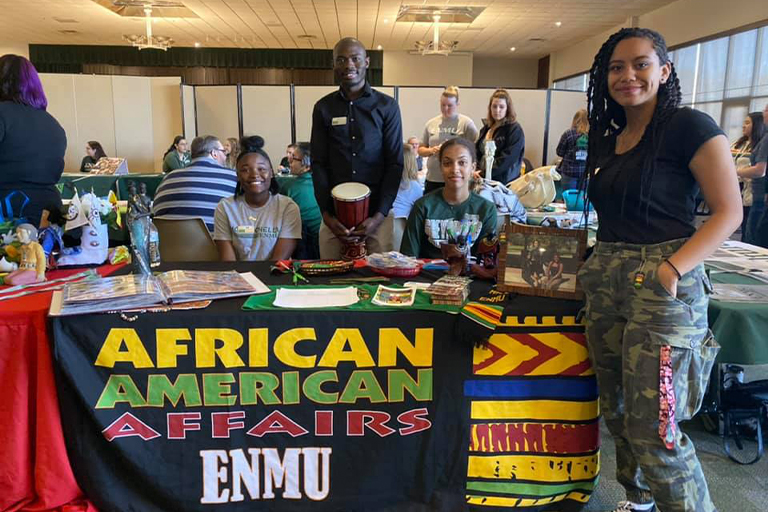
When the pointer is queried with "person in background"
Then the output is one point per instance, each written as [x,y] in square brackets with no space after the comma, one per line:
[743,150]
[232,149]
[302,190]
[176,156]
[256,223]
[431,214]
[32,142]
[93,152]
[447,125]
[409,192]
[357,136]
[760,161]
[573,150]
[415,143]
[285,162]
[195,190]
[501,126]
[645,285]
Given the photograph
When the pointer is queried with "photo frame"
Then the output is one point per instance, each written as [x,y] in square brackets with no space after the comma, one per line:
[541,261]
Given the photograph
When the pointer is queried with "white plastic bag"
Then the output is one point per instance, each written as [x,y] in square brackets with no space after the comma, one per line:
[537,187]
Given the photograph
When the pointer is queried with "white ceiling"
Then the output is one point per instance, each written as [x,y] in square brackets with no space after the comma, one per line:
[277,23]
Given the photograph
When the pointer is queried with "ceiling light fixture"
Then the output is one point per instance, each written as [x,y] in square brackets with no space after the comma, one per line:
[512,49]
[197,45]
[558,23]
[436,46]
[386,20]
[149,41]
[378,47]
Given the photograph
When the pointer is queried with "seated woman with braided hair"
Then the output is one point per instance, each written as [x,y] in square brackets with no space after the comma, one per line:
[645,286]
[257,223]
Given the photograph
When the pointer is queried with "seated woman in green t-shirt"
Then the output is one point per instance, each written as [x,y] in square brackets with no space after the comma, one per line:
[432,215]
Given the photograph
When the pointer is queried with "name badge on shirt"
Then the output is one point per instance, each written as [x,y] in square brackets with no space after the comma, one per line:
[244,230]
[338,121]
[581,155]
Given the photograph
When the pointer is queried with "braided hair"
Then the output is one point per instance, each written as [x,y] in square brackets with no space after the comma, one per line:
[607,118]
[255,144]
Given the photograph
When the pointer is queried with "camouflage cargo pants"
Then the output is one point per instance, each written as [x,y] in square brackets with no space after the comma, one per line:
[651,352]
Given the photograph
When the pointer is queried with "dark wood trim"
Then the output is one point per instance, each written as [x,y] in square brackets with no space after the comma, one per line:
[547,106]
[292,93]
[542,79]
[240,111]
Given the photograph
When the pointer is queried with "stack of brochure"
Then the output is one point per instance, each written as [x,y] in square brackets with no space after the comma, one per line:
[141,291]
[452,290]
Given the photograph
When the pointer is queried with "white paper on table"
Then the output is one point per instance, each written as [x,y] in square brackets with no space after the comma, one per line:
[316,298]
[740,293]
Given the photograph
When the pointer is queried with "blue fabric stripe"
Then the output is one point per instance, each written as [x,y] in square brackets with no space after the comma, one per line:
[585,389]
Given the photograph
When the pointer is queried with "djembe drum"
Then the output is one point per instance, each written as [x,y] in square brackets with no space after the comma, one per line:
[351,203]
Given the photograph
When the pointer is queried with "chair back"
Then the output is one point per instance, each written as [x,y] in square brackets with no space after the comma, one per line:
[185,240]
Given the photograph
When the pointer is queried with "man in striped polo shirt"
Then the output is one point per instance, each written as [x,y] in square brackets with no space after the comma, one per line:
[196,190]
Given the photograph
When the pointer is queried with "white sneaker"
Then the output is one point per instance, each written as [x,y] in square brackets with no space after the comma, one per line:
[629,506]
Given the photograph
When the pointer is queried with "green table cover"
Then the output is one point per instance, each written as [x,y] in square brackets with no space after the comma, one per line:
[740,328]
[265,301]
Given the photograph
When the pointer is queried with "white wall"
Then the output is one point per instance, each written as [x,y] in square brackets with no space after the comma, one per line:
[14,48]
[403,68]
[679,22]
[507,73]
[132,117]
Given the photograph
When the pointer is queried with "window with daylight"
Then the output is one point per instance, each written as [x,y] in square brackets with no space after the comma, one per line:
[726,77]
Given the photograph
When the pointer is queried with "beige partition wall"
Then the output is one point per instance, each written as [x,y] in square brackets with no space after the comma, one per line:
[420,104]
[188,98]
[95,114]
[417,106]
[267,112]
[134,134]
[60,91]
[166,116]
[217,111]
[132,117]
[305,98]
[562,107]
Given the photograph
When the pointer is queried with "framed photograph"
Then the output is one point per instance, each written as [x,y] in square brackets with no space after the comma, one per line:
[541,261]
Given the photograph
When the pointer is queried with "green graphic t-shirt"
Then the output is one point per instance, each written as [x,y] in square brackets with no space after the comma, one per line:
[432,218]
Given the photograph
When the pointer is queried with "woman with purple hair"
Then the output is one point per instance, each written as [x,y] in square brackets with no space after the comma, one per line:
[32,142]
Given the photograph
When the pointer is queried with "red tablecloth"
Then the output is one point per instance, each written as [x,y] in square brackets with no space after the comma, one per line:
[34,468]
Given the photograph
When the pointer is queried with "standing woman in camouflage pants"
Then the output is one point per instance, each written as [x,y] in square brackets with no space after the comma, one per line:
[647,293]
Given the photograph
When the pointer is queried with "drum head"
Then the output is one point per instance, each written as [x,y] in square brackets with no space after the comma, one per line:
[350,191]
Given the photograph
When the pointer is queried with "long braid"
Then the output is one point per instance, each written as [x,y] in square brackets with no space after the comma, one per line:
[607,117]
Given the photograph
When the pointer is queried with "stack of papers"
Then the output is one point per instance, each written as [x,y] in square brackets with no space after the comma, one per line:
[453,290]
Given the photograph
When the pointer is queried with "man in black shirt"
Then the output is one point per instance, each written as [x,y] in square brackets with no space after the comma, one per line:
[356,136]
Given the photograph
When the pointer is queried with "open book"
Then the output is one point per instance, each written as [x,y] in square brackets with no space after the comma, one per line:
[137,291]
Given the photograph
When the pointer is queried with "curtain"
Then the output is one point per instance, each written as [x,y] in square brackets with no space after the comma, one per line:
[199,66]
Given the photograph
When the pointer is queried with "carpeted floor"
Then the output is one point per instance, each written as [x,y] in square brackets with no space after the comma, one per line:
[734,488]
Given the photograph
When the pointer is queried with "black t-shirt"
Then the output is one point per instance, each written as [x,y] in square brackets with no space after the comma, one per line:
[32,146]
[666,211]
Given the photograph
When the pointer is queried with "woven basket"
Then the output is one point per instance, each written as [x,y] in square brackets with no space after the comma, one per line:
[326,267]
